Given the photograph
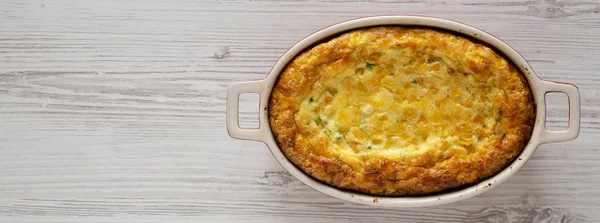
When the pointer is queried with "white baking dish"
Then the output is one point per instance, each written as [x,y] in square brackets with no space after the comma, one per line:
[540,134]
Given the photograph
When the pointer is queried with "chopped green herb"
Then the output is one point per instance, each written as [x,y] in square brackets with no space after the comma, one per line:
[327,132]
[414,81]
[503,135]
[337,136]
[311,100]
[369,147]
[369,66]
[318,120]
[363,124]
[499,115]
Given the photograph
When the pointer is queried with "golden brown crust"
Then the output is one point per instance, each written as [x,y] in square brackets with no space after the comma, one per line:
[430,149]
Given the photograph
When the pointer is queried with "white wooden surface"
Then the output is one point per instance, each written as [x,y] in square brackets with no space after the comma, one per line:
[114,111]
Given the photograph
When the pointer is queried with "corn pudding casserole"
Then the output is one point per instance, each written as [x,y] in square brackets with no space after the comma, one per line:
[400,111]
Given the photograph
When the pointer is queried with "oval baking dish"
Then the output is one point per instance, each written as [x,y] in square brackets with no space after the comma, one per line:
[537,86]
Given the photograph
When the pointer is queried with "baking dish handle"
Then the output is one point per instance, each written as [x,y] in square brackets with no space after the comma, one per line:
[232,116]
[572,131]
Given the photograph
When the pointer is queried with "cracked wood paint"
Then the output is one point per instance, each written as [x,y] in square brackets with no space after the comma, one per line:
[114,111]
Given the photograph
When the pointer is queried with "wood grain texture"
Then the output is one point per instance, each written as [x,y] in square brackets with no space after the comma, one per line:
[114,111]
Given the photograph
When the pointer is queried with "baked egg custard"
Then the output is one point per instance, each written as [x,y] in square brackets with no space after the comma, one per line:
[401,111]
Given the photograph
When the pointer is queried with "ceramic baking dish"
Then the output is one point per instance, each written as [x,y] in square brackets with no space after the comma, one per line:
[539,88]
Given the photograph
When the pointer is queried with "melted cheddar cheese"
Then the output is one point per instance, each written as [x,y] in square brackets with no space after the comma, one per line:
[401,111]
